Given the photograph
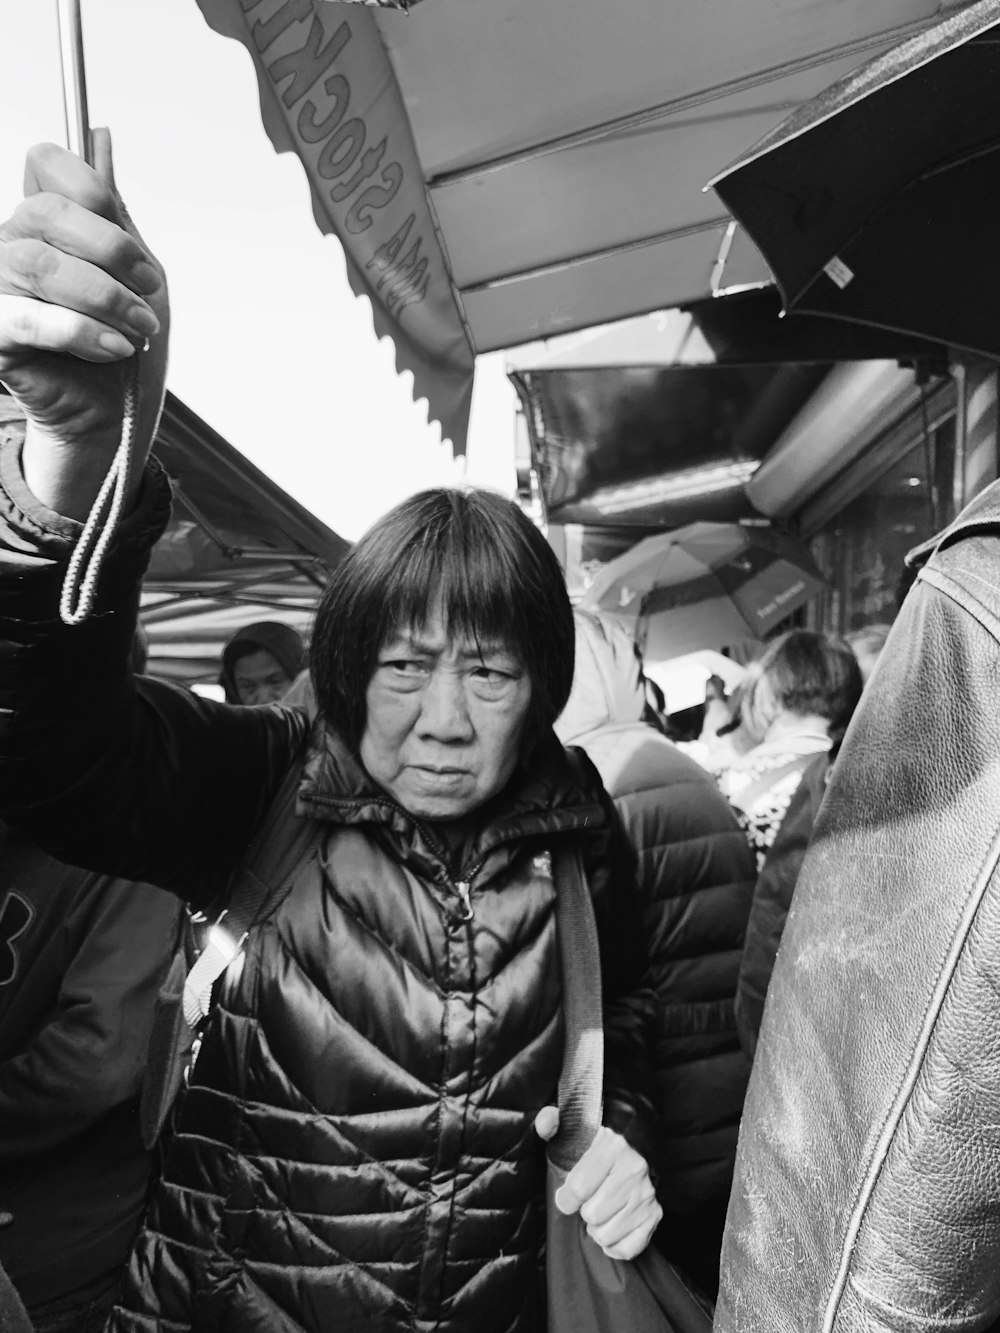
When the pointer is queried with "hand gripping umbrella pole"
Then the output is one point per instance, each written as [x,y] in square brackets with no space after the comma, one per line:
[80,584]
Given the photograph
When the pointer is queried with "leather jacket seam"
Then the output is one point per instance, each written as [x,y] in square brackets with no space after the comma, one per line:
[965,598]
[883,1147]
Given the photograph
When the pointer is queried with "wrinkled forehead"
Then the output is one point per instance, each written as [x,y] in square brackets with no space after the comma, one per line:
[448,618]
[434,637]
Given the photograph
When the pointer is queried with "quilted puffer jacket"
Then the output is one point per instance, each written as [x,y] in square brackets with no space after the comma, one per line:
[357,1150]
[696,876]
[867,1191]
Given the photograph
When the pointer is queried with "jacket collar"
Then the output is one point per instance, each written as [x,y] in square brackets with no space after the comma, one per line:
[980,515]
[546,796]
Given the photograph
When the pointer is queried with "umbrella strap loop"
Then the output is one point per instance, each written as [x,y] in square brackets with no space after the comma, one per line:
[79,588]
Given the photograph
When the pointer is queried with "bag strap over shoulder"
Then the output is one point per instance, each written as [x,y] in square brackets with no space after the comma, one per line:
[281,843]
[581,1083]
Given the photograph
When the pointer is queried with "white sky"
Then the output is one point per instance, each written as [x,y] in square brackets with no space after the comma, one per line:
[269,344]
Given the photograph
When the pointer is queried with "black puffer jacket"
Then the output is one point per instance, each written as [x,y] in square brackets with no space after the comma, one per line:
[357,1151]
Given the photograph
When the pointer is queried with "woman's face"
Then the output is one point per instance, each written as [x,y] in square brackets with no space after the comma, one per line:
[260,678]
[444,720]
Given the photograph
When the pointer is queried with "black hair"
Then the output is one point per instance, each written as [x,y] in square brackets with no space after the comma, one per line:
[477,556]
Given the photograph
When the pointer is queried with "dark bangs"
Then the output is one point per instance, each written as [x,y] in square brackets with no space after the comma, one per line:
[479,558]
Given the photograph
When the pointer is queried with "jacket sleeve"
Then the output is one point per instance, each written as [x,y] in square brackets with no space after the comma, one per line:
[137,779]
[772,898]
[88,1056]
[696,873]
[867,1190]
[629,1002]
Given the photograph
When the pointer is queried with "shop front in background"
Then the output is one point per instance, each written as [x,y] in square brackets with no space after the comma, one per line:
[897,495]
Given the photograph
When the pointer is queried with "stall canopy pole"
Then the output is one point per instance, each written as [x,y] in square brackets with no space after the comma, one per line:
[74,79]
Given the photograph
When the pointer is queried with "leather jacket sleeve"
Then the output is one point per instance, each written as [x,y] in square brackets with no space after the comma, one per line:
[139,779]
[867,1191]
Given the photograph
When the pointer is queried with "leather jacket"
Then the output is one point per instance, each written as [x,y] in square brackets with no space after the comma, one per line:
[867,1190]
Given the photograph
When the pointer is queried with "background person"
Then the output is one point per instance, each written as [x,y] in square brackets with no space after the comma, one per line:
[357,1147]
[772,896]
[695,879]
[802,690]
[82,956]
[260,663]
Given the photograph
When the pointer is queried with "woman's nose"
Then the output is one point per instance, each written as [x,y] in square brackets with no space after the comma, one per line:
[444,713]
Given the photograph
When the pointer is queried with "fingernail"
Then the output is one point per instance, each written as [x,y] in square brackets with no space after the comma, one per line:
[145,277]
[142,321]
[115,343]
[565,1200]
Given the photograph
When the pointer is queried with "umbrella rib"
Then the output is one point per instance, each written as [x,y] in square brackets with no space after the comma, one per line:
[949,164]
[958,160]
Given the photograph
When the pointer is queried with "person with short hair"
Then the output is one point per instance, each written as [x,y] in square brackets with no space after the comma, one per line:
[796,697]
[360,1146]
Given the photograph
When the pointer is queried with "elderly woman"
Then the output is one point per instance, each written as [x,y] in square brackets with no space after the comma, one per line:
[358,1148]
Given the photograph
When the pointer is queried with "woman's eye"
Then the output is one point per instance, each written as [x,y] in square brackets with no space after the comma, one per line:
[491,675]
[405,667]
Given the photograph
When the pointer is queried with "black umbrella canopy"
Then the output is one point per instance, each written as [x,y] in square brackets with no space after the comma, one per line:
[876,202]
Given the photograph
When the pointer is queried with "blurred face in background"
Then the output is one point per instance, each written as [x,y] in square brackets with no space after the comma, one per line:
[260,679]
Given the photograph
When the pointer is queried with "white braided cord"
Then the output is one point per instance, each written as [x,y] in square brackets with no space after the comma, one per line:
[79,588]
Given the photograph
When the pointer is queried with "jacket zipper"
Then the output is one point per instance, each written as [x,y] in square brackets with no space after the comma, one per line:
[463,887]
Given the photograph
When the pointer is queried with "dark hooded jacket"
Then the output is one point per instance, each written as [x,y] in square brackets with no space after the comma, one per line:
[82,956]
[356,1150]
[695,880]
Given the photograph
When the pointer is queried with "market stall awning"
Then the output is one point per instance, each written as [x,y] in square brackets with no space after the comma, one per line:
[664,420]
[499,172]
[237,549]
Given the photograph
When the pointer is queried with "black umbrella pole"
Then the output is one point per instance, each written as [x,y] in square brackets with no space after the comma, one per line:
[74,79]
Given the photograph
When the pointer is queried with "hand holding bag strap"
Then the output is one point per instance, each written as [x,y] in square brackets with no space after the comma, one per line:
[587,1291]
[581,1082]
